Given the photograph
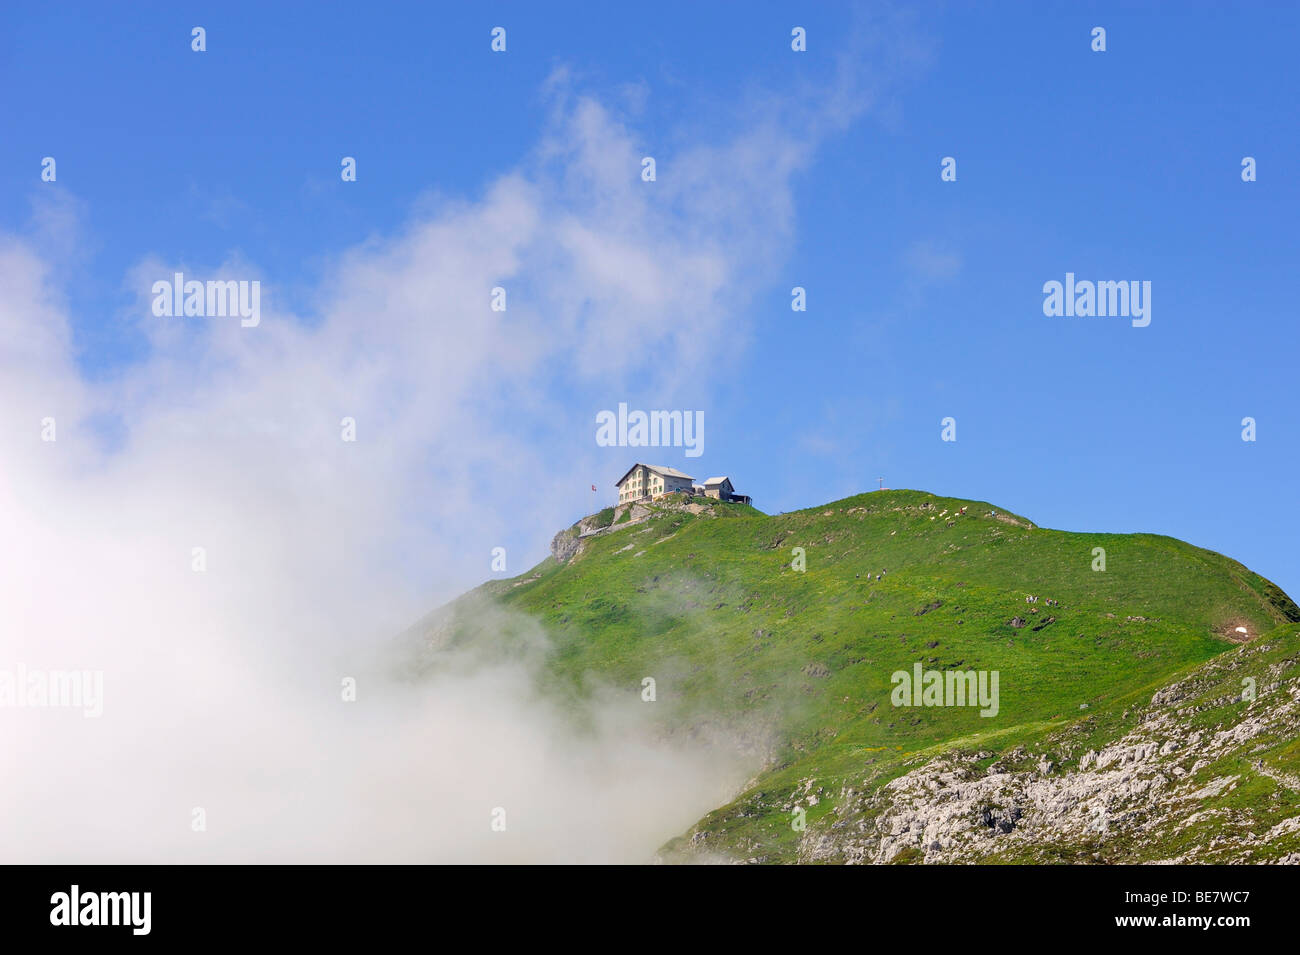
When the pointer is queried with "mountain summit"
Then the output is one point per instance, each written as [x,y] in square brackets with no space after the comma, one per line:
[928,679]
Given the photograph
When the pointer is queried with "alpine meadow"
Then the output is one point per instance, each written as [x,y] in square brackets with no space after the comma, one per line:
[685,441]
[1149,707]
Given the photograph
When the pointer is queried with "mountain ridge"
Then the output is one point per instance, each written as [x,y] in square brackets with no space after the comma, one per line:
[787,630]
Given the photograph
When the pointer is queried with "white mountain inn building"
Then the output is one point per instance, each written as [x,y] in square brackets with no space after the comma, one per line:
[649,481]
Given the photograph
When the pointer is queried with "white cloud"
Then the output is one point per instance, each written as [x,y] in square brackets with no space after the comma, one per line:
[222,687]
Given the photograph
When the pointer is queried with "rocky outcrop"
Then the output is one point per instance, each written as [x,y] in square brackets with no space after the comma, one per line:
[1162,792]
[565,544]
[568,543]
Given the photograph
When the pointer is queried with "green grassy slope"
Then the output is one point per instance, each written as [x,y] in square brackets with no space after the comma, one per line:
[711,606]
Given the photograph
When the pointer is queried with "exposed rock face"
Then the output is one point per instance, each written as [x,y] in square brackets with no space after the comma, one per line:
[1192,776]
[1157,785]
[564,545]
[568,543]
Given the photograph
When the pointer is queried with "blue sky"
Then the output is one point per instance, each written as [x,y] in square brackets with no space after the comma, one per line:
[924,297]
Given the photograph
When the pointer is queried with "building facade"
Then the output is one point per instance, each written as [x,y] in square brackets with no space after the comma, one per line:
[648,481]
[720,488]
